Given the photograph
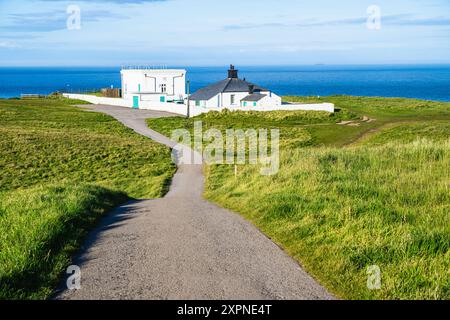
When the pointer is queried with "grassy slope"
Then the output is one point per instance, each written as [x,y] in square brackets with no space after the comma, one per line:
[297,127]
[382,199]
[62,168]
[385,111]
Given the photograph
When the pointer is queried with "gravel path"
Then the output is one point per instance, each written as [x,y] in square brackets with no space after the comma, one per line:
[183,247]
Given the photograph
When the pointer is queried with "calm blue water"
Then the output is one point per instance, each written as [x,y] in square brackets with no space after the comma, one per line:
[424,82]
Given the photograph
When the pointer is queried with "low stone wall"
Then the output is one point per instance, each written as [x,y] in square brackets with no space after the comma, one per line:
[99,100]
[181,109]
[328,107]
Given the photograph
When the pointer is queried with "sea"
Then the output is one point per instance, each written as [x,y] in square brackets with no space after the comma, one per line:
[429,82]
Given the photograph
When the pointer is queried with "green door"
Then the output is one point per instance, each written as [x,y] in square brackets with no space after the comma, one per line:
[136,102]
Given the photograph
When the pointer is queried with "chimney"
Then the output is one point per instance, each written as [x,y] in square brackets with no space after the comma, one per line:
[232,73]
[251,88]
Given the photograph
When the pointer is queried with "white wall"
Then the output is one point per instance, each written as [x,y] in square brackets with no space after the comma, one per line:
[328,107]
[226,99]
[277,99]
[214,102]
[180,109]
[100,100]
[270,100]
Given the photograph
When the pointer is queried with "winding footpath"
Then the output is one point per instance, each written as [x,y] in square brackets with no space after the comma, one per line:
[182,246]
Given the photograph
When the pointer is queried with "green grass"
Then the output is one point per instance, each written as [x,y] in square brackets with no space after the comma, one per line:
[61,169]
[437,130]
[339,211]
[40,228]
[388,109]
[348,197]
[296,127]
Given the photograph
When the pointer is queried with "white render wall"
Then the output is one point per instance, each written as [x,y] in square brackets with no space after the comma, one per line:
[226,99]
[150,81]
[328,107]
[271,100]
[181,109]
[266,101]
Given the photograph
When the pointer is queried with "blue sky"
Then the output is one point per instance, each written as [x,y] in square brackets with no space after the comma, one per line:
[212,32]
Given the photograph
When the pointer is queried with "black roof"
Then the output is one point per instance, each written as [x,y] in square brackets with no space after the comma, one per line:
[227,85]
[254,97]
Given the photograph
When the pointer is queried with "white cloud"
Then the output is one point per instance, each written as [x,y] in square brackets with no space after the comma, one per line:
[8,44]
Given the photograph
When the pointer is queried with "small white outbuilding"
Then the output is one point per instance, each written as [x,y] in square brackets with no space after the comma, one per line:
[143,86]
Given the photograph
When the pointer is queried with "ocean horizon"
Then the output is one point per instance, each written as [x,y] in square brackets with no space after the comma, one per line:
[428,82]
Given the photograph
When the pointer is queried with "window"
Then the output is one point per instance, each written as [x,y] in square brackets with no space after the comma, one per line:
[197,103]
[164,88]
[233,98]
[254,104]
[245,104]
[162,99]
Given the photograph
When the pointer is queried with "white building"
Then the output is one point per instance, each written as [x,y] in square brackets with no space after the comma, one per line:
[234,93]
[144,86]
[165,90]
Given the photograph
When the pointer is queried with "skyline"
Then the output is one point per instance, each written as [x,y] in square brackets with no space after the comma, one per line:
[203,33]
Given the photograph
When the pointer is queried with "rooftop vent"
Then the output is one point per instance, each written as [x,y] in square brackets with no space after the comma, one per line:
[232,73]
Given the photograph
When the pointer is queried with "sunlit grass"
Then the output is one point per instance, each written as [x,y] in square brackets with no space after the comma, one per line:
[61,168]
[339,211]
[348,197]
[40,228]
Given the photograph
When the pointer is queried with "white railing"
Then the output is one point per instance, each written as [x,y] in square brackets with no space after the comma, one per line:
[144,67]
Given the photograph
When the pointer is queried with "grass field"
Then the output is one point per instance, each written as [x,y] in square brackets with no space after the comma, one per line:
[61,169]
[350,196]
